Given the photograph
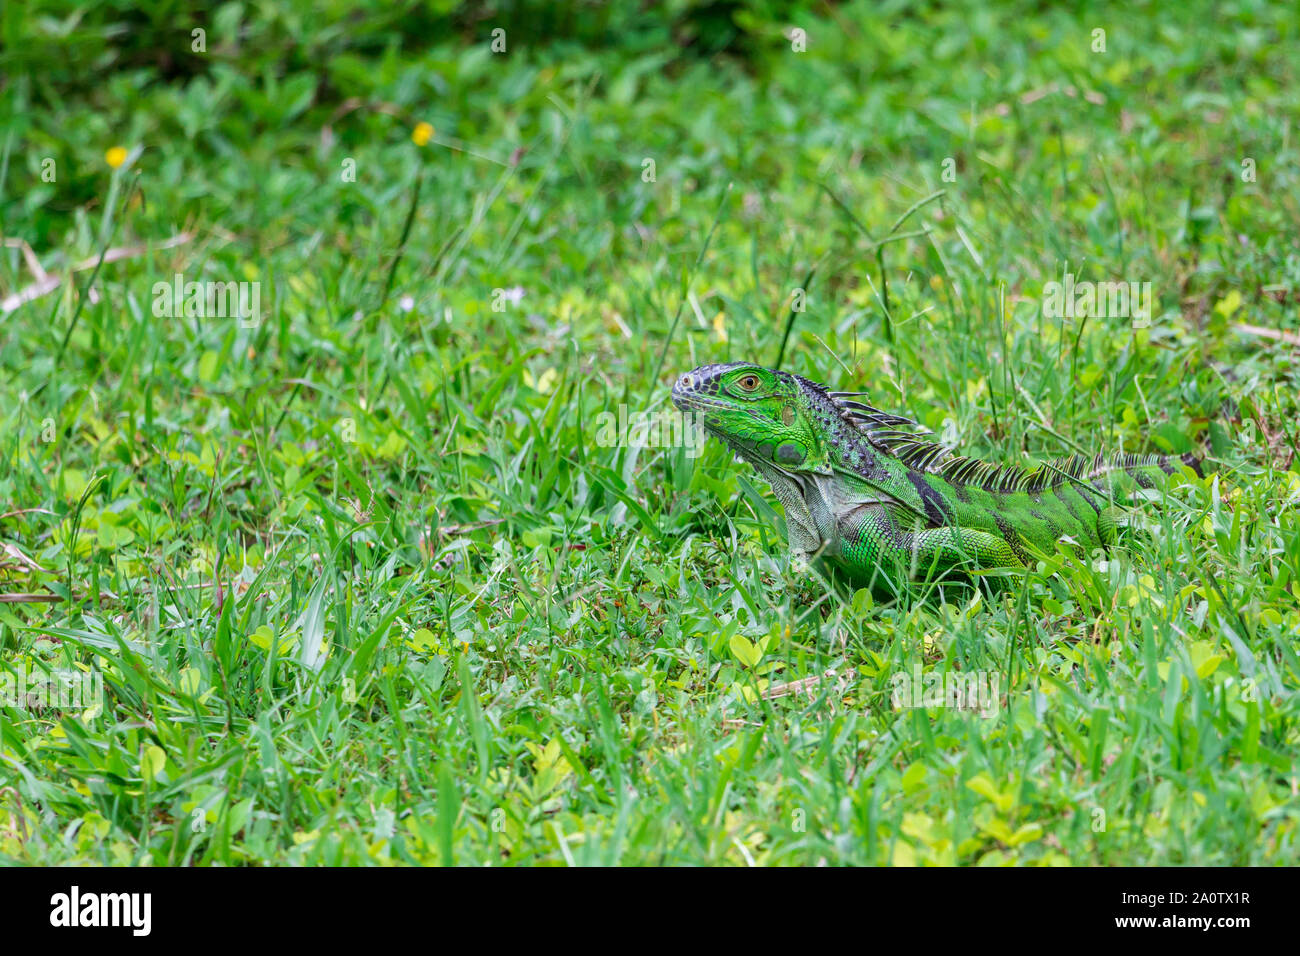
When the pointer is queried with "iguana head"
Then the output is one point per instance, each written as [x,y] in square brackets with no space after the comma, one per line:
[767,417]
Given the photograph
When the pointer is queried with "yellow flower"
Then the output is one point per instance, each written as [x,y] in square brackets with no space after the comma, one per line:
[422,133]
[115,157]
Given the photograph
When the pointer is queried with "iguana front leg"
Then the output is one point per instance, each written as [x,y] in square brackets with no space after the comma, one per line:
[943,549]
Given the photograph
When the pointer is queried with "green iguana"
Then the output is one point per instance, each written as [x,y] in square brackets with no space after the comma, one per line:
[869,492]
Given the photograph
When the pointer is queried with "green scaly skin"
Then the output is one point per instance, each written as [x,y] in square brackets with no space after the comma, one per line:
[867,494]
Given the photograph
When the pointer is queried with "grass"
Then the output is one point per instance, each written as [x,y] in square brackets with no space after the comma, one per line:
[364,587]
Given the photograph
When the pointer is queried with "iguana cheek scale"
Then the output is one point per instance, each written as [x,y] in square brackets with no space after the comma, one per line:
[866,491]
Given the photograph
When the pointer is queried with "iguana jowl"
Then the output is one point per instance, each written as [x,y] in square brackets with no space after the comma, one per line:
[862,489]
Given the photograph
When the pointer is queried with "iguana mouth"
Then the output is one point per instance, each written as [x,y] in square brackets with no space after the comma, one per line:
[690,401]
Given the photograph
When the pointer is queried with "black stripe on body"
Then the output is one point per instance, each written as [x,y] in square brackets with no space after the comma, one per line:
[1012,538]
[1083,493]
[936,509]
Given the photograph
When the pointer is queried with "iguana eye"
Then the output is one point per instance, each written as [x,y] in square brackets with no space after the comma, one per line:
[749,383]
